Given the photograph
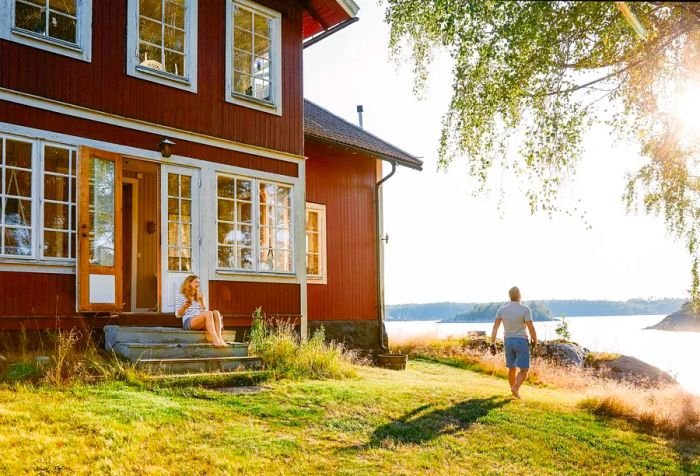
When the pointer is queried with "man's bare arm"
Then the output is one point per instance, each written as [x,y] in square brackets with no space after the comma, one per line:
[496,325]
[533,333]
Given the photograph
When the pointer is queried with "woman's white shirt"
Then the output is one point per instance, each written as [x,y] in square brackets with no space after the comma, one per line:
[194,310]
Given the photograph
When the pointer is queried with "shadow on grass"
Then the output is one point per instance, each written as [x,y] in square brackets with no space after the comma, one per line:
[421,424]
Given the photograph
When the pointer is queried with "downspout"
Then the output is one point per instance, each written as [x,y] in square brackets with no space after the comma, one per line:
[378,213]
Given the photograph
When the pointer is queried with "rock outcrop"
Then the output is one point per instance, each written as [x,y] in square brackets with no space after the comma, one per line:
[625,367]
[569,353]
[684,320]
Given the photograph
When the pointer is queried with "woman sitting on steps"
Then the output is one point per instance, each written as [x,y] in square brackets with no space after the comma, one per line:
[189,305]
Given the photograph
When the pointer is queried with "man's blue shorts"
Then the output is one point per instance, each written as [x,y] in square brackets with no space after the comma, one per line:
[517,351]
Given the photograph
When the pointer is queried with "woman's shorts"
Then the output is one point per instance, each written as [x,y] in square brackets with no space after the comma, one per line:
[517,351]
[187,324]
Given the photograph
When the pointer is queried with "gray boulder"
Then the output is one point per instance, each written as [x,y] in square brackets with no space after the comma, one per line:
[625,367]
[569,353]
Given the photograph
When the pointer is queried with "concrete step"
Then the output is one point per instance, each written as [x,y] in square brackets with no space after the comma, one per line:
[157,335]
[198,365]
[140,351]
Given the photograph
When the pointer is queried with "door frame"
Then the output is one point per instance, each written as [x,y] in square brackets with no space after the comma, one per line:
[195,230]
[85,270]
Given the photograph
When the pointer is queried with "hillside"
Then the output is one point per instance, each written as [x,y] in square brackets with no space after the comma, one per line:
[487,312]
[569,307]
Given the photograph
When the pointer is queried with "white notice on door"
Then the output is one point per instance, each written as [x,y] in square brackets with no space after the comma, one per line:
[102,289]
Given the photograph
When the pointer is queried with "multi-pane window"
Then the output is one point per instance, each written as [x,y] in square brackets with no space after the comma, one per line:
[253,60]
[161,35]
[275,227]
[55,19]
[316,242]
[16,198]
[59,202]
[254,225]
[235,222]
[179,222]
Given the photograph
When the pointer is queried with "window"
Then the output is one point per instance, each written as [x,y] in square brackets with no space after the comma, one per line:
[162,36]
[253,56]
[179,222]
[316,243]
[254,230]
[59,202]
[59,26]
[16,196]
[37,200]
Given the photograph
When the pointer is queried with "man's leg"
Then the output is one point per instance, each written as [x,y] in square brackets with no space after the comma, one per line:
[522,375]
[511,376]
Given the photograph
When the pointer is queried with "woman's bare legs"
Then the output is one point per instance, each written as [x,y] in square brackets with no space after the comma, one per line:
[206,321]
[219,324]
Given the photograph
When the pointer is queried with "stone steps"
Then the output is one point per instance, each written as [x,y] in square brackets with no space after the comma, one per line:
[171,350]
[147,350]
[198,365]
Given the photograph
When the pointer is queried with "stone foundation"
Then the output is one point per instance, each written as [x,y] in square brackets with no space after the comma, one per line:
[360,335]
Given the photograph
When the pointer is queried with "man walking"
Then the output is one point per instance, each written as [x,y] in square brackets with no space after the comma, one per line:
[515,318]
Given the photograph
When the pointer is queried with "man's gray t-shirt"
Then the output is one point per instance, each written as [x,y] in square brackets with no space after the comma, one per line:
[514,315]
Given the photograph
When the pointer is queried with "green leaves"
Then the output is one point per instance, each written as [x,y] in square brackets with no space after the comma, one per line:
[531,77]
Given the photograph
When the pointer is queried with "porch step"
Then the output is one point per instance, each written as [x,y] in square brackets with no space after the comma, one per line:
[198,365]
[157,335]
[148,350]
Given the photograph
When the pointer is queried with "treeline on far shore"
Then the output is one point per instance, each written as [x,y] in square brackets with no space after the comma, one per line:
[449,311]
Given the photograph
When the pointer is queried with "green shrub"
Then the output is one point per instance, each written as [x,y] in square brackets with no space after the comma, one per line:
[286,355]
[562,329]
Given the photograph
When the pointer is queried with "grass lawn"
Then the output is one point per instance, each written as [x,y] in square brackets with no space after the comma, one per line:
[430,419]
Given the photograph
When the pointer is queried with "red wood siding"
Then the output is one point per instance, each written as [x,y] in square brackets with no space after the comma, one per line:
[344,182]
[239,299]
[104,85]
[51,121]
[37,294]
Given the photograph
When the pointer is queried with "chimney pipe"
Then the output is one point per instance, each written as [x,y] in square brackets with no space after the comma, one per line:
[360,110]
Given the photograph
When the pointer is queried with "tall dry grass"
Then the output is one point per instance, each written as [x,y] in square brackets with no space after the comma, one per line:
[286,355]
[664,408]
[59,358]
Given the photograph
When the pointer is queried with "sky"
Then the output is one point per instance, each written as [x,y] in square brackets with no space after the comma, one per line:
[446,244]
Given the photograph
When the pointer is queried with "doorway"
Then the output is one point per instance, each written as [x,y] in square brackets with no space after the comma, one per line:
[140,235]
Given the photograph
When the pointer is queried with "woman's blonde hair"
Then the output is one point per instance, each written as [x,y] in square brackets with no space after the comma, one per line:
[185,288]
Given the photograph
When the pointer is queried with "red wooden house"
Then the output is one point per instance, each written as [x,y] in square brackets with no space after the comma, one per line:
[272,200]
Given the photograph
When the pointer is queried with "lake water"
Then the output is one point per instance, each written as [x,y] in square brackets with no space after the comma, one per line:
[678,353]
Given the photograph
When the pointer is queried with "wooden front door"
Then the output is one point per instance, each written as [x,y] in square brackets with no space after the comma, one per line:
[99,270]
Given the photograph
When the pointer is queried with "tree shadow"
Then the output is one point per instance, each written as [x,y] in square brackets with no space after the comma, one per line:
[421,425]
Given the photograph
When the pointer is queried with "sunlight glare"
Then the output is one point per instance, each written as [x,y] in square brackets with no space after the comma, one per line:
[687,109]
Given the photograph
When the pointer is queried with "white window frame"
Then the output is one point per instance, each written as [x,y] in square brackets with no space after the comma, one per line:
[133,68]
[81,49]
[72,194]
[322,277]
[274,106]
[37,233]
[256,181]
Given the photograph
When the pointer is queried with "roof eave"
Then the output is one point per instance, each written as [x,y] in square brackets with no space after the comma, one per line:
[369,153]
[350,7]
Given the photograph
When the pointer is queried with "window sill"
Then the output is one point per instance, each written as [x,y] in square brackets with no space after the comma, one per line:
[253,103]
[53,45]
[32,265]
[315,280]
[163,77]
[242,272]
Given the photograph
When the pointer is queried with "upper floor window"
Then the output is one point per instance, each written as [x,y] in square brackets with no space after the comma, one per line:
[162,42]
[316,271]
[59,26]
[254,230]
[253,60]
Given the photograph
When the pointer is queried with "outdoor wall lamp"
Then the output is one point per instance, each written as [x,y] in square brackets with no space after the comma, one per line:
[166,147]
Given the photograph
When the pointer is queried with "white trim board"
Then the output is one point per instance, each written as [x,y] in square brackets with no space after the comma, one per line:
[143,126]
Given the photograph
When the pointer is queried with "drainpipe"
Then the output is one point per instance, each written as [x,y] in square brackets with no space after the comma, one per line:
[378,213]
